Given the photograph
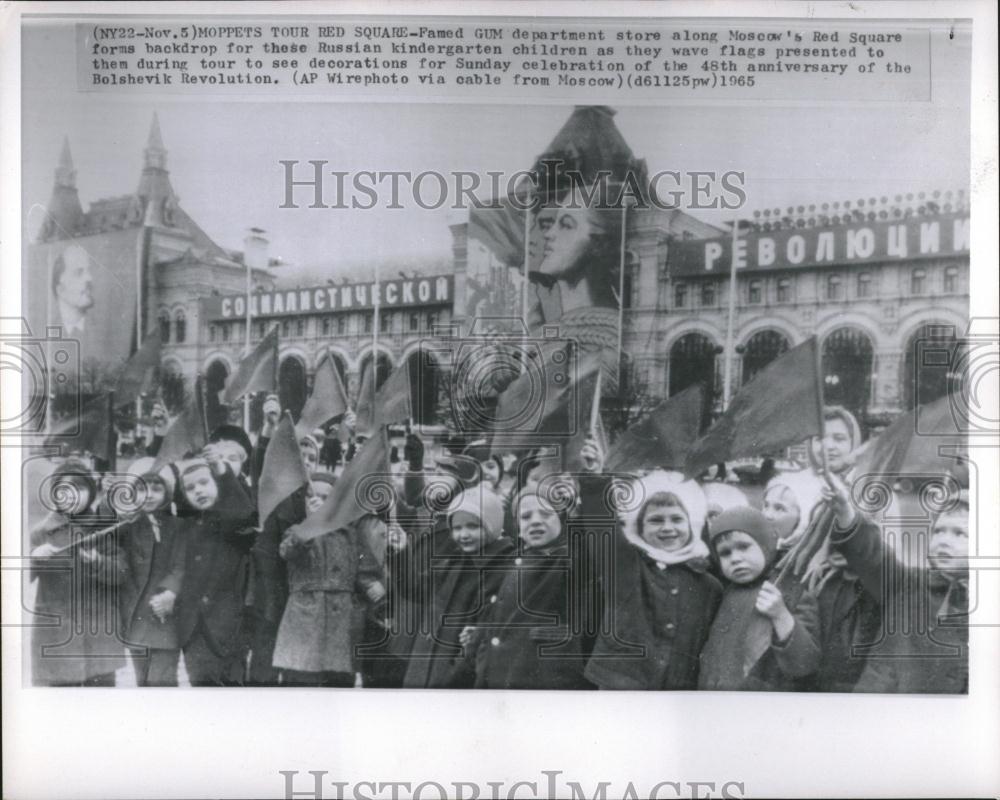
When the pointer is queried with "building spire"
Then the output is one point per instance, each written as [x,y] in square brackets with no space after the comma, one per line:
[65,174]
[155,153]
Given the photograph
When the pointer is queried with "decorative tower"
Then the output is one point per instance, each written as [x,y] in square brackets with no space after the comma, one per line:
[155,194]
[64,210]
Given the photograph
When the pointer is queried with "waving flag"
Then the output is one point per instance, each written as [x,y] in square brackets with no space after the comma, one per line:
[257,372]
[328,398]
[662,439]
[283,471]
[138,372]
[188,433]
[781,406]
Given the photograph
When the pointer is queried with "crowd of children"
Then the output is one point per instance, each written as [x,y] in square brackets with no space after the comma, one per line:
[529,578]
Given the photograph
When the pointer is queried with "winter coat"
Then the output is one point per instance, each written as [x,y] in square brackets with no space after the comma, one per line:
[780,667]
[154,565]
[532,637]
[934,661]
[324,617]
[461,585]
[216,568]
[269,568]
[76,631]
[657,623]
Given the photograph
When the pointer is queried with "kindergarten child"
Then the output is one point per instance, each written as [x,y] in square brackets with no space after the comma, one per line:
[153,546]
[210,604]
[460,582]
[330,578]
[932,655]
[755,642]
[664,598]
[75,636]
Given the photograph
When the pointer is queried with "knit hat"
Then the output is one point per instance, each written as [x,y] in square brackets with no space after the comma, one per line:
[143,468]
[485,506]
[651,488]
[76,472]
[720,496]
[232,433]
[323,477]
[807,489]
[749,521]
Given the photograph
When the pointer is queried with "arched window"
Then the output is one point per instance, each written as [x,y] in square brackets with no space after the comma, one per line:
[918,281]
[180,326]
[864,285]
[784,290]
[754,291]
[164,320]
[834,288]
[951,280]
[680,295]
[761,349]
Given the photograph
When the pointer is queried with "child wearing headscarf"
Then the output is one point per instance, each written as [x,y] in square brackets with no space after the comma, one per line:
[663,599]
[790,499]
[153,545]
[756,642]
[71,643]
[460,582]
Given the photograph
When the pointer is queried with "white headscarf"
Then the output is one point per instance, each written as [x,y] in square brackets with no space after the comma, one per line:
[691,498]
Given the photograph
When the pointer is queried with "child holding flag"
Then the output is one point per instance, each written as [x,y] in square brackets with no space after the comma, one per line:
[331,576]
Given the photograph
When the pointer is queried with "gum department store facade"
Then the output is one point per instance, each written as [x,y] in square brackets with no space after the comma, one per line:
[869,277]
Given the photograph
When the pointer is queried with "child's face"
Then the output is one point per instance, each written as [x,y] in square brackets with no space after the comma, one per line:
[491,472]
[320,490]
[310,457]
[740,557]
[665,526]
[200,488]
[538,524]
[836,442]
[156,496]
[466,532]
[234,455]
[949,545]
[781,508]
[70,497]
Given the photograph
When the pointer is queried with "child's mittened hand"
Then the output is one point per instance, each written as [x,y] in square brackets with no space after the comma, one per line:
[163,603]
[838,497]
[375,592]
[770,603]
[350,420]
[396,537]
[592,455]
[89,555]
[468,634]
[313,503]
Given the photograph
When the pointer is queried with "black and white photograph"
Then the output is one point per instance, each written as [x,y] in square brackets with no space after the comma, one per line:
[520,374]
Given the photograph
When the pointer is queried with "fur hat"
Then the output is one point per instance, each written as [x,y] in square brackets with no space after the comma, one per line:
[751,522]
[807,489]
[323,477]
[485,506]
[143,468]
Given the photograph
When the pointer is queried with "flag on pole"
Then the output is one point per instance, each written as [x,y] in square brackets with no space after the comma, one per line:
[913,443]
[543,404]
[283,471]
[89,432]
[361,480]
[663,438]
[328,398]
[782,405]
[188,433]
[366,402]
[257,372]
[393,399]
[589,424]
[137,374]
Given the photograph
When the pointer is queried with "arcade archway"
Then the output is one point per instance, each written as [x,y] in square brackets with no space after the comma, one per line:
[292,390]
[216,375]
[760,350]
[846,365]
[692,360]
[928,360]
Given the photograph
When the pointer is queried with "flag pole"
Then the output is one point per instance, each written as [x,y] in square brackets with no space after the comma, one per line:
[621,295]
[112,443]
[375,324]
[727,381]
[595,404]
[524,279]
[246,345]
[819,409]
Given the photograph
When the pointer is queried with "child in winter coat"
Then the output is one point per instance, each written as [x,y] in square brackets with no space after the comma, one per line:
[209,609]
[330,578]
[76,633]
[461,583]
[154,547]
[663,597]
[931,654]
[849,616]
[531,636]
[755,642]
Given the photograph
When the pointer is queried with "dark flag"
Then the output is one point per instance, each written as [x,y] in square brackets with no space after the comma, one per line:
[358,491]
[257,372]
[544,404]
[283,470]
[366,403]
[188,433]
[912,444]
[781,406]
[138,372]
[328,398]
[664,438]
[93,431]
[392,401]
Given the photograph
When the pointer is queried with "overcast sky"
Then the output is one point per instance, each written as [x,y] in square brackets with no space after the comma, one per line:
[223,155]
